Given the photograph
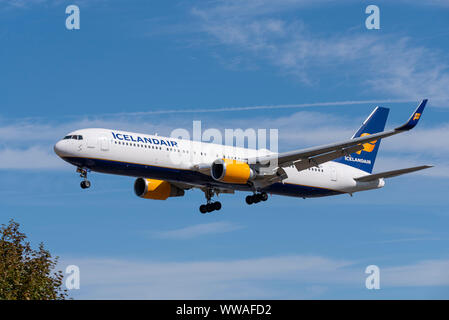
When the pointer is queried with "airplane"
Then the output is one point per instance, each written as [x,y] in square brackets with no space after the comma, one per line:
[167,167]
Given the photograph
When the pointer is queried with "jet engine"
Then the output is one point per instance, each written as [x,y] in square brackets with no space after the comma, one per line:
[231,171]
[156,189]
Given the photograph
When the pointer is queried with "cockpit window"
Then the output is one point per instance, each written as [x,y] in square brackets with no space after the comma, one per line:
[76,137]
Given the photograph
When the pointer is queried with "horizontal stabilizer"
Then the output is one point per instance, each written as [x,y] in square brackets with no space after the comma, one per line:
[389,174]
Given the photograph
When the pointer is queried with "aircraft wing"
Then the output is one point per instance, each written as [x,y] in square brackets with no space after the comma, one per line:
[389,174]
[306,158]
[187,186]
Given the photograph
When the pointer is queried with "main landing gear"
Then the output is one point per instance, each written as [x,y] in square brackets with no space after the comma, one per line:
[85,184]
[257,197]
[210,206]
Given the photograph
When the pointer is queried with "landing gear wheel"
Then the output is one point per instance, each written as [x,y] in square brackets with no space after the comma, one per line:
[210,207]
[256,198]
[85,184]
[217,205]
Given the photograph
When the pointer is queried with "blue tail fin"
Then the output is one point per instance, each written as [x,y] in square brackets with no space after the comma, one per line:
[364,159]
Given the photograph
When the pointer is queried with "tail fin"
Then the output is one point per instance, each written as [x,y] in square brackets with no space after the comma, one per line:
[364,159]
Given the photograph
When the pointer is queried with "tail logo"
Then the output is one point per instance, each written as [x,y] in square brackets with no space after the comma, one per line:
[368,147]
[416,116]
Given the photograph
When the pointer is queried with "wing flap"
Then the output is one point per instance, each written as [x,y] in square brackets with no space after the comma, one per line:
[317,160]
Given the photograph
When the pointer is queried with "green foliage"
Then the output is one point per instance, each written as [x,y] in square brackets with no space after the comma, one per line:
[27,274]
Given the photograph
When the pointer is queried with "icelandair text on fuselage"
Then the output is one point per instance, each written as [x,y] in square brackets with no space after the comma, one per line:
[131,138]
[230,309]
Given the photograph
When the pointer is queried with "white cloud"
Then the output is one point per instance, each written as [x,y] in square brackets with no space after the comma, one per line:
[244,278]
[36,157]
[119,279]
[424,273]
[387,64]
[414,72]
[28,132]
[22,3]
[421,140]
[406,230]
[197,230]
[27,4]
[405,240]
[439,3]
[261,107]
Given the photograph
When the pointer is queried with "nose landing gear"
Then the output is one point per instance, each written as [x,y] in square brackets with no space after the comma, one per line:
[85,184]
[210,206]
[256,198]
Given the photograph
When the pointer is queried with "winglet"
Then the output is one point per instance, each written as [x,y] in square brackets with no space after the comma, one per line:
[413,121]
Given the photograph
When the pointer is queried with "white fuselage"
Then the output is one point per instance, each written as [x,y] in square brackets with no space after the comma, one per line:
[173,160]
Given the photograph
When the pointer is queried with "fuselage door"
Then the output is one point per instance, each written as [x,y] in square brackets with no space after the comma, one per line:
[333,173]
[104,144]
[91,142]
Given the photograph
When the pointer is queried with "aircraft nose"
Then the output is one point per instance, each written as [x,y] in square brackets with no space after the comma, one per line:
[57,148]
[60,148]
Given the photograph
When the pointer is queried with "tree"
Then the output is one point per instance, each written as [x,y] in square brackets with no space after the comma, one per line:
[27,274]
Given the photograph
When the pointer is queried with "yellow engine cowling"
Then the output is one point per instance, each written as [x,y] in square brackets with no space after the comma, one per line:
[156,189]
[231,171]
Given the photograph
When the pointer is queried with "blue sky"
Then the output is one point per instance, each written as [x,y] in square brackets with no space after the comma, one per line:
[147,66]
